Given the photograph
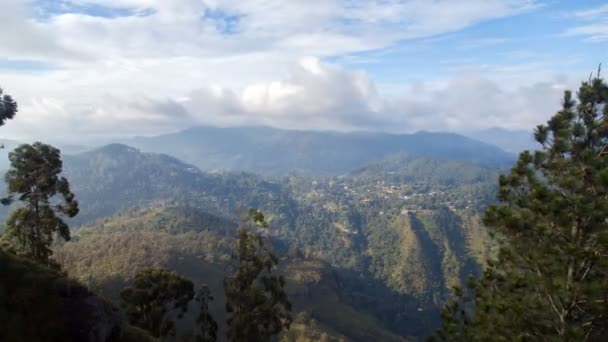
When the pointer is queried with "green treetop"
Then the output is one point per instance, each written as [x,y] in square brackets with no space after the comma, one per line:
[34,180]
[8,108]
[550,281]
[256,301]
[206,323]
[156,293]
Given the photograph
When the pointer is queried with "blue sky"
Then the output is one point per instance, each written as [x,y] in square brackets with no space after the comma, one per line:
[529,39]
[102,69]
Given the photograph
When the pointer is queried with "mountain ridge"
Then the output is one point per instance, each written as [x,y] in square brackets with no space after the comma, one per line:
[510,140]
[272,151]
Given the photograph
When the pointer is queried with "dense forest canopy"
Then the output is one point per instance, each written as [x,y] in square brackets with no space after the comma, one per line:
[357,234]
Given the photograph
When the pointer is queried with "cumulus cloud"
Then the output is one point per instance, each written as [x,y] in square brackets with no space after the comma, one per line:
[204,28]
[313,95]
[56,120]
[142,67]
[24,38]
[318,95]
[472,102]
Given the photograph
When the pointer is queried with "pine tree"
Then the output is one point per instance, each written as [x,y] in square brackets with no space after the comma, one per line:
[155,295]
[8,107]
[208,326]
[33,179]
[550,279]
[256,301]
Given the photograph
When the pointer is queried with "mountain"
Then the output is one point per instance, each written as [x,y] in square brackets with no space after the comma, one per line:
[313,214]
[117,177]
[387,241]
[513,141]
[270,151]
[401,168]
[334,301]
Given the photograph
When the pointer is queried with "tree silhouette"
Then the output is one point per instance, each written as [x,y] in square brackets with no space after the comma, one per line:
[8,107]
[155,294]
[34,180]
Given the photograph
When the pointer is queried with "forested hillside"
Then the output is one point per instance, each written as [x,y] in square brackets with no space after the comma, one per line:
[382,245]
[107,255]
[369,253]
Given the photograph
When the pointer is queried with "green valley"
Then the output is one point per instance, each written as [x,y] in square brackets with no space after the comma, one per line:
[371,253]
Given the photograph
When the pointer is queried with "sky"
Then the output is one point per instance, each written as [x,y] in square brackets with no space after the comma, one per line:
[89,70]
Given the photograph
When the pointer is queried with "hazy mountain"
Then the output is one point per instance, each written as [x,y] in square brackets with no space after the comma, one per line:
[271,151]
[513,141]
[9,145]
[391,237]
[74,149]
[116,177]
[403,169]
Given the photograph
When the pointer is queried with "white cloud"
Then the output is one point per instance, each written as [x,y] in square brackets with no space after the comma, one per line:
[595,28]
[164,65]
[160,28]
[593,32]
[312,95]
[593,12]
[472,102]
[23,37]
[322,96]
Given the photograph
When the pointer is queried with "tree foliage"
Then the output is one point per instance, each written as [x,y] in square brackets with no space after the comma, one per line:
[208,325]
[8,107]
[550,281]
[34,180]
[156,293]
[256,301]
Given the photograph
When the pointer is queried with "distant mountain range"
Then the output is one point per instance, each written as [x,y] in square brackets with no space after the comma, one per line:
[275,152]
[270,151]
[513,141]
